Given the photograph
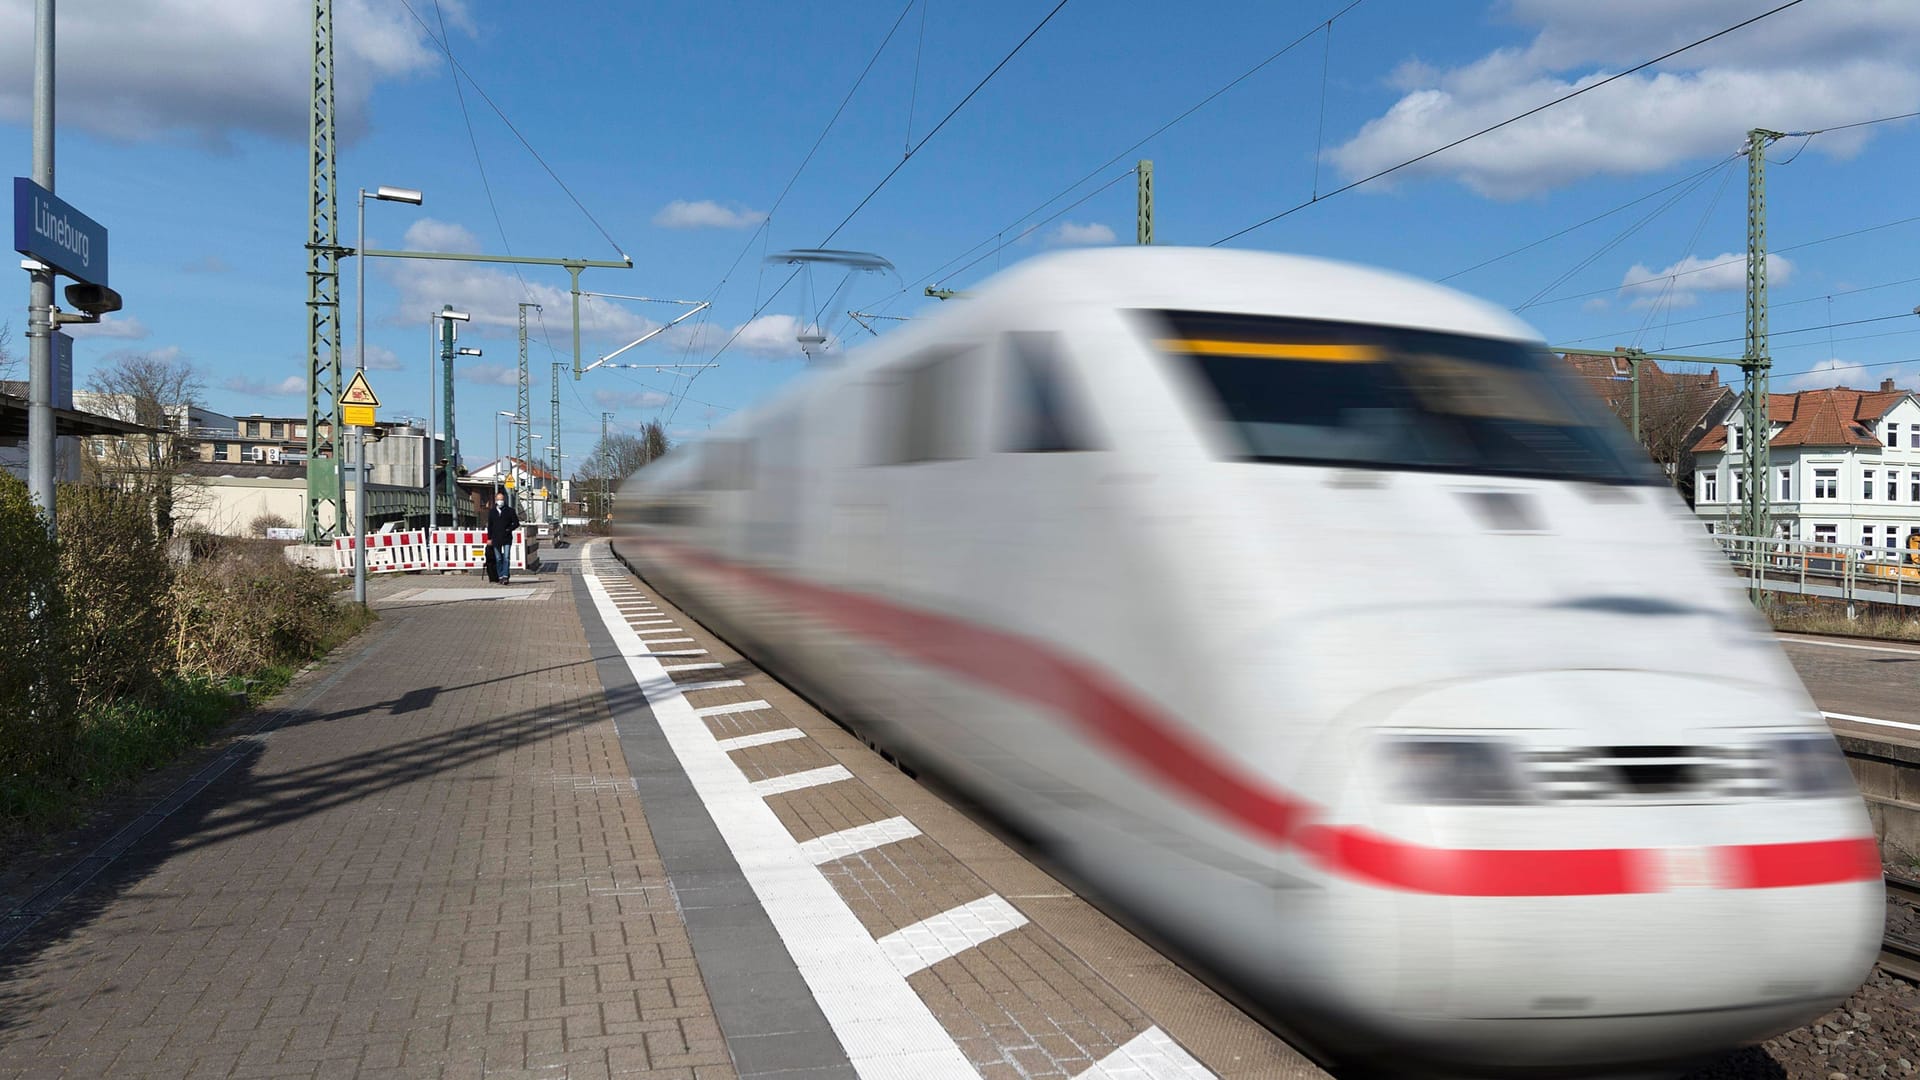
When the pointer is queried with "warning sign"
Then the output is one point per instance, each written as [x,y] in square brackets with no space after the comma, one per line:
[358,392]
[357,415]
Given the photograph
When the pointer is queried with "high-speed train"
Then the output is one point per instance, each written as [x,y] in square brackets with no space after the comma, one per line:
[1319,621]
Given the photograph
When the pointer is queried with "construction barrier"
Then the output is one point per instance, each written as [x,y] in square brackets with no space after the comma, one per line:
[409,550]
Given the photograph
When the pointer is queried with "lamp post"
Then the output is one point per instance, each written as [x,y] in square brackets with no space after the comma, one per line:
[496,441]
[381,194]
[442,323]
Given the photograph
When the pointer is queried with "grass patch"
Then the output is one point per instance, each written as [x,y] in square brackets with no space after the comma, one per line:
[1832,619]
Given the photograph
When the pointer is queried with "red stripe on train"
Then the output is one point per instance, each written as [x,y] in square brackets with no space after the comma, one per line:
[1155,744]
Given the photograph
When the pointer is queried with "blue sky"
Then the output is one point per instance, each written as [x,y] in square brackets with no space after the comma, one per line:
[182,127]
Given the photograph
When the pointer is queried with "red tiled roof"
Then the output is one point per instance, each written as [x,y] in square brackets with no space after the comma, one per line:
[1836,417]
[1607,377]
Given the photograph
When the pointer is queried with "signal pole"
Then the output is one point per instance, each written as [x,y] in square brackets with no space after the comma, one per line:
[559,481]
[523,407]
[606,468]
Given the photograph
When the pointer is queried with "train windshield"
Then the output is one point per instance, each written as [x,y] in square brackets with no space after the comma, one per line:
[1300,390]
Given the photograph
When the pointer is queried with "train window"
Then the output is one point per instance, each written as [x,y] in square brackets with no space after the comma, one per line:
[1043,420]
[923,413]
[1318,392]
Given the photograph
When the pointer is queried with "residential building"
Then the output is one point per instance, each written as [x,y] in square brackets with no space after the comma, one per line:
[1677,408]
[537,492]
[1845,467]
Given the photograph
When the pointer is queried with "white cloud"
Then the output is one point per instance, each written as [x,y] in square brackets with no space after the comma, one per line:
[379,358]
[1072,234]
[1804,68]
[1598,303]
[1677,286]
[492,295]
[139,70]
[488,374]
[771,336]
[291,386]
[705,214]
[128,327]
[1837,372]
[630,399]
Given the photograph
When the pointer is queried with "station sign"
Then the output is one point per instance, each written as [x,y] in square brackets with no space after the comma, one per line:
[46,228]
[62,370]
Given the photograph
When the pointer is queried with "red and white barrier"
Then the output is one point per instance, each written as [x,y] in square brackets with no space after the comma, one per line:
[449,549]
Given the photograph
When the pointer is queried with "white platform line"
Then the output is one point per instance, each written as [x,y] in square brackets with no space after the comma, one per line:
[690,687]
[1850,718]
[1848,645]
[887,1030]
[665,640]
[652,622]
[674,652]
[662,630]
[761,738]
[690,667]
[1150,1055]
[738,706]
[798,781]
[839,845]
[950,933]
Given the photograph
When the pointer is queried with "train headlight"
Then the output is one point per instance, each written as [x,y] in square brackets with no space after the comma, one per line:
[1433,770]
[1811,766]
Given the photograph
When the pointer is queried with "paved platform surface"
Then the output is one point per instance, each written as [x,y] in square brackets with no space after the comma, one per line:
[489,840]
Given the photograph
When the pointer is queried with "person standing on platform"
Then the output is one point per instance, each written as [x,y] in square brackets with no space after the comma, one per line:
[501,521]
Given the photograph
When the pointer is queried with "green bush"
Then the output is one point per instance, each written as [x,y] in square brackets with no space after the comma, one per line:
[115,577]
[37,718]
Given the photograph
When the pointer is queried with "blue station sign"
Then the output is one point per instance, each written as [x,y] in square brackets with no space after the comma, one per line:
[47,229]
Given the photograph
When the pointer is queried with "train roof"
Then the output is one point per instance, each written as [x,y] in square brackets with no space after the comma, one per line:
[1248,282]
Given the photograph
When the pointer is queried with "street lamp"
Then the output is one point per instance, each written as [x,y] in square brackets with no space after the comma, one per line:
[382,194]
[496,439]
[441,324]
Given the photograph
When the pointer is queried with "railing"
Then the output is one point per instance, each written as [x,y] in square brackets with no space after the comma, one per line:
[1848,572]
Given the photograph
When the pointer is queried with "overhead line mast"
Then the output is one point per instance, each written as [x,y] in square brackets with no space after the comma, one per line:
[323,293]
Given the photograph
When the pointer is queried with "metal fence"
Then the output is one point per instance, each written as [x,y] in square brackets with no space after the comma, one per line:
[1846,572]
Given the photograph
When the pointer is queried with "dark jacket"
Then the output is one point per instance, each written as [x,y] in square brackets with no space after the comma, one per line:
[501,521]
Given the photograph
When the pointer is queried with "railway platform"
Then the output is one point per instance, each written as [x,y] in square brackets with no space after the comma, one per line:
[557,829]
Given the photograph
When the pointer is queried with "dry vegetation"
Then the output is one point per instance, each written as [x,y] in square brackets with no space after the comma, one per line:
[122,656]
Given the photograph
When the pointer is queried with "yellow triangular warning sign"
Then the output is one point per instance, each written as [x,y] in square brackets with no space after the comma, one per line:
[358,392]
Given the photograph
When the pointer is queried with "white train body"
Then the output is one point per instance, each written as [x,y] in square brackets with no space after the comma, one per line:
[1312,617]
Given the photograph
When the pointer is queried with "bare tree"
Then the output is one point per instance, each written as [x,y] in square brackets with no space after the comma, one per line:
[7,359]
[615,458]
[159,393]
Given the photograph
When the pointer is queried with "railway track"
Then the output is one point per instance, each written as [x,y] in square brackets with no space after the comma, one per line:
[1900,952]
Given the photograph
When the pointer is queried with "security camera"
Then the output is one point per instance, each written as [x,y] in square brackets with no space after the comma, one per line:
[94,300]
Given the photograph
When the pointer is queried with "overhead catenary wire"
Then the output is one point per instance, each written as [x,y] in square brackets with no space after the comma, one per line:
[1618,238]
[497,111]
[1739,311]
[1097,170]
[1725,262]
[1570,95]
[951,113]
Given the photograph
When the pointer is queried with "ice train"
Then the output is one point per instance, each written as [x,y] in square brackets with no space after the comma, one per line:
[1119,544]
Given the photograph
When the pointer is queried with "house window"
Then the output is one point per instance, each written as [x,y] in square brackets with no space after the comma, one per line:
[1826,483]
[279,431]
[1733,433]
[1866,483]
[1913,436]
[1786,485]
[1893,435]
[1826,533]
[1740,484]
[1866,536]
[1710,487]
[1893,485]
[219,451]
[1892,538]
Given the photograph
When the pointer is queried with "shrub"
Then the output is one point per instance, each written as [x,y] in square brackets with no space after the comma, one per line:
[236,614]
[115,578]
[37,718]
[269,520]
